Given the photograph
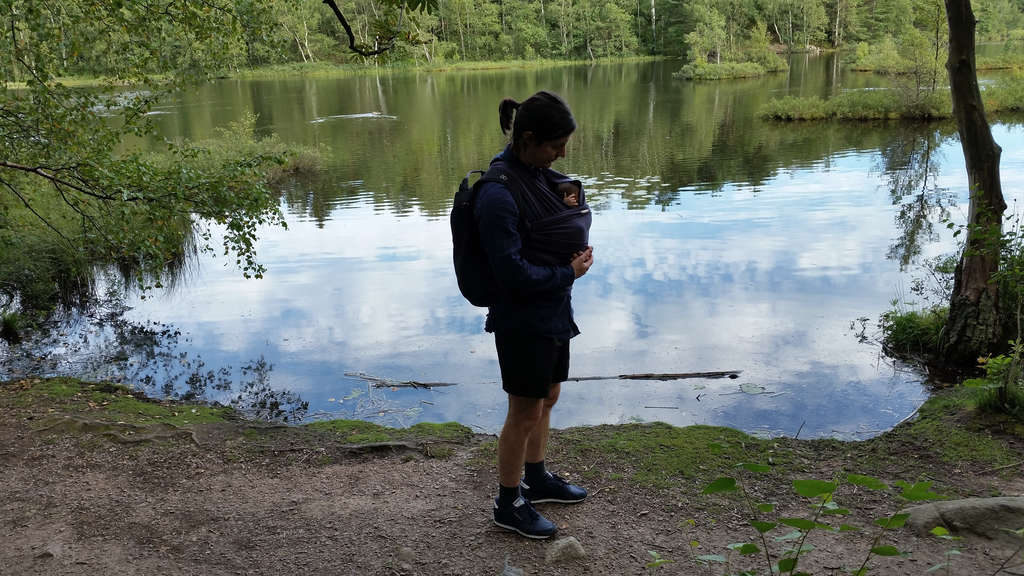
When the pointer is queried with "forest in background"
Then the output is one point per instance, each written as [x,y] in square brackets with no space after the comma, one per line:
[274,32]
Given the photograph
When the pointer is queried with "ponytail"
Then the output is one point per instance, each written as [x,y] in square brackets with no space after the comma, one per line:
[506,109]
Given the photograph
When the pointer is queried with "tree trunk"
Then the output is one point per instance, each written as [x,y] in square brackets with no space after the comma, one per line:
[973,328]
[835,30]
[654,29]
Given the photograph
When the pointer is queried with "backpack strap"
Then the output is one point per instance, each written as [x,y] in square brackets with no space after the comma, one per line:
[497,172]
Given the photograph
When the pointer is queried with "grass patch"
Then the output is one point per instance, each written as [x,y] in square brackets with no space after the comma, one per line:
[859,105]
[356,431]
[360,432]
[720,71]
[659,453]
[110,402]
[913,332]
[330,70]
[950,426]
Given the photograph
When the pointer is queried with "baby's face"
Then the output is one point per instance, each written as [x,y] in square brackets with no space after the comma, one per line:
[570,193]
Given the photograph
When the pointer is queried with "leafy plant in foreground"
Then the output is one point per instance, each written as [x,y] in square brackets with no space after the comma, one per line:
[821,493]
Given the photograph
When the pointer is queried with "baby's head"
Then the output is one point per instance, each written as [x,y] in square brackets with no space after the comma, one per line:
[570,193]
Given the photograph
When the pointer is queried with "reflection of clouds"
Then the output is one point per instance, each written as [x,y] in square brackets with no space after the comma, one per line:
[765,281]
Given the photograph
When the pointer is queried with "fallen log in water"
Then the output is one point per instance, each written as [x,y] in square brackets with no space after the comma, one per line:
[679,376]
[379,382]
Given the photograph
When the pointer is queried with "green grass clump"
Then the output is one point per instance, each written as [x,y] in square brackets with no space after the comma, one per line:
[860,105]
[722,71]
[1005,95]
[334,70]
[112,402]
[445,431]
[658,453]
[913,331]
[360,432]
[946,424]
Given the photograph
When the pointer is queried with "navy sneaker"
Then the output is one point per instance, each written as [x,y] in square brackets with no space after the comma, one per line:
[522,518]
[552,489]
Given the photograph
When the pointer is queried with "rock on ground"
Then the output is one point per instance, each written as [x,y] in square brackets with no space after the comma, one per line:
[988,518]
[564,550]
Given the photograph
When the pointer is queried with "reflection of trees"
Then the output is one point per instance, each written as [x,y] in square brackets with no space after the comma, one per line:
[644,137]
[909,163]
[99,342]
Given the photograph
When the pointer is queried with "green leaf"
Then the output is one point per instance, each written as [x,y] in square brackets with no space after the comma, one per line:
[917,492]
[893,522]
[762,527]
[936,567]
[766,507]
[712,558]
[813,488]
[866,481]
[885,551]
[723,484]
[787,565]
[833,509]
[656,560]
[791,536]
[939,531]
[800,523]
[760,468]
[748,549]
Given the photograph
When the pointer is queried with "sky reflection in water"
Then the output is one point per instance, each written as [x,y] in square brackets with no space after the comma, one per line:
[742,258]
[767,282]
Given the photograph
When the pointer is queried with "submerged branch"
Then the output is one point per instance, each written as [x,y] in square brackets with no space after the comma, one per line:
[379,382]
[677,376]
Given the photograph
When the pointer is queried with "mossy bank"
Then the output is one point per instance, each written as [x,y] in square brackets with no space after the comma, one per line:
[946,432]
[100,479]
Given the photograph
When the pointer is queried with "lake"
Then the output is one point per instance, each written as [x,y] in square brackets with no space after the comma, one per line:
[722,242]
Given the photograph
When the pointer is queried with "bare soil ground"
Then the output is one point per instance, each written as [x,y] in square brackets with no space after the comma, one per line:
[236,498]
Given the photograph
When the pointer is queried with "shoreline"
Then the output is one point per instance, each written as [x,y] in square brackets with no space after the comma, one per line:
[100,480]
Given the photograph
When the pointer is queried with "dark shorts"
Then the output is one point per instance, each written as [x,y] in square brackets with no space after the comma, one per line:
[531,364]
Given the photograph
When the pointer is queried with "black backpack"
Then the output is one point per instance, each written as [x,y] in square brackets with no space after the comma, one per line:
[473,272]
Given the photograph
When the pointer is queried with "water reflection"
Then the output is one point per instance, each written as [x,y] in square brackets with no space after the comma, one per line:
[911,164]
[722,243]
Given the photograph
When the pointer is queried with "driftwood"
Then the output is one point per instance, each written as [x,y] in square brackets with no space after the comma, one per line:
[379,382]
[680,376]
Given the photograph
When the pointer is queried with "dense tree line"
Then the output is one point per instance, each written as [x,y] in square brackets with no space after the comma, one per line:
[266,32]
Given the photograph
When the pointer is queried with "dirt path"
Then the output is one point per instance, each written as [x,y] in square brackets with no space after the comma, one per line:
[239,500]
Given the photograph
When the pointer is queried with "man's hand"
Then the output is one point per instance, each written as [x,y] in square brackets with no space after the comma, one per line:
[582,261]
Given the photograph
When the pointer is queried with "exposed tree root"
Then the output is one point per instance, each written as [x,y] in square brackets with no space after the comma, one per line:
[119,432]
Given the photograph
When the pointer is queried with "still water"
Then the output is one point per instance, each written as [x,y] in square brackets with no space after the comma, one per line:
[722,242]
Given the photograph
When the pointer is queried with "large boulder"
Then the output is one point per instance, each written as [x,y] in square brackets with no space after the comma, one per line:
[987,518]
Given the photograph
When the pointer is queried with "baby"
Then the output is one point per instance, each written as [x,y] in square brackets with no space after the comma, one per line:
[570,192]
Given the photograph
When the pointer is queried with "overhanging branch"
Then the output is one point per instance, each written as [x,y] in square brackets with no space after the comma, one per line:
[352,37]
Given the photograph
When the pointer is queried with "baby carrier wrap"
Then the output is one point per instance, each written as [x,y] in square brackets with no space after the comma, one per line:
[551,231]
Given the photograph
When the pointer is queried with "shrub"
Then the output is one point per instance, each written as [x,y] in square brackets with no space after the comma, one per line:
[883,58]
[725,70]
